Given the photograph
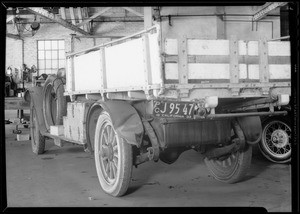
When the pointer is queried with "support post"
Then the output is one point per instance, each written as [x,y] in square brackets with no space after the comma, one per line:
[263,63]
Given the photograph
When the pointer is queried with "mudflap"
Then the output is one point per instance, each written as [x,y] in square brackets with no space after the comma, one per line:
[252,128]
[126,120]
[36,101]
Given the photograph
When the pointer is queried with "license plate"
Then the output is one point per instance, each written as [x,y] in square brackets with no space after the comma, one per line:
[173,109]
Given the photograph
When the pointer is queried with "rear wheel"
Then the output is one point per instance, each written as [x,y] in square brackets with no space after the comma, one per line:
[113,157]
[233,168]
[275,143]
[37,140]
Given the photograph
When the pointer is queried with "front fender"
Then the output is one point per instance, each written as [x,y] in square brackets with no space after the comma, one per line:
[126,120]
[252,128]
[36,101]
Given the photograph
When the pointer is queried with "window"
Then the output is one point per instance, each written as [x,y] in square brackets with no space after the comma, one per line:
[51,56]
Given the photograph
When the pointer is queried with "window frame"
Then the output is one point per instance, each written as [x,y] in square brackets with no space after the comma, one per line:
[60,55]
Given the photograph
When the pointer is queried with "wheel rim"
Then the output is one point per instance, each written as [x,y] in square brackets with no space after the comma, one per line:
[228,164]
[108,153]
[276,139]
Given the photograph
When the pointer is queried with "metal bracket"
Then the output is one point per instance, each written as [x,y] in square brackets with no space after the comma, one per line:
[153,152]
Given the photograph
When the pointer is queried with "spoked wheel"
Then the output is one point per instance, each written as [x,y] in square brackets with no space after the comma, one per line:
[113,157]
[231,168]
[275,143]
[37,140]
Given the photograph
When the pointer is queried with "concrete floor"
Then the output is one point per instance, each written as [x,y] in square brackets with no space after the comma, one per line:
[66,177]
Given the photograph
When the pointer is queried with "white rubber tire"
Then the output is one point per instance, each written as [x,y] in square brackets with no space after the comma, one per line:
[113,157]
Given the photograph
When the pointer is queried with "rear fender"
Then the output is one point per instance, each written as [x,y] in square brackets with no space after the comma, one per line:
[126,121]
[252,128]
[36,101]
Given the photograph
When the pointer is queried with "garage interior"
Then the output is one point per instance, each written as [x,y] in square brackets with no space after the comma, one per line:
[37,42]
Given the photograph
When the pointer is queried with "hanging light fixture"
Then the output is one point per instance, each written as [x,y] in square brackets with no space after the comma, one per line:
[35,25]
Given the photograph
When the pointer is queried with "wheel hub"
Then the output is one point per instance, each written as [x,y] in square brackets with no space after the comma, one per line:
[279,138]
[110,152]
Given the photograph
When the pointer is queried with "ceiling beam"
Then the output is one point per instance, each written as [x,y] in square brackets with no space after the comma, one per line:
[72,14]
[93,16]
[267,8]
[133,11]
[13,36]
[44,13]
[62,12]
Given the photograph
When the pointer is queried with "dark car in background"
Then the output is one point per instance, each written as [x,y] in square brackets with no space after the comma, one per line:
[275,144]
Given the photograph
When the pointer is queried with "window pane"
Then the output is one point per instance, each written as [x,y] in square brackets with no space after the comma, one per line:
[41,71]
[55,64]
[48,54]
[54,44]
[47,45]
[54,55]
[41,64]
[41,55]
[48,71]
[61,64]
[61,54]
[48,63]
[61,44]
[41,45]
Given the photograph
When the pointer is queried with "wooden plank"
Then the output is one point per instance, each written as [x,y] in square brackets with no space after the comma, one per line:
[263,61]
[234,64]
[133,11]
[182,60]
[62,11]
[44,13]
[103,69]
[93,16]
[72,14]
[147,63]
[279,48]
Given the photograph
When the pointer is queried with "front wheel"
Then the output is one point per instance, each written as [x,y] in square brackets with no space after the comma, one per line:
[113,157]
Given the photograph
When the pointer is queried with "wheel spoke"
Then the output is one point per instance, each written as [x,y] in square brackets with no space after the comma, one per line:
[106,168]
[110,171]
[114,169]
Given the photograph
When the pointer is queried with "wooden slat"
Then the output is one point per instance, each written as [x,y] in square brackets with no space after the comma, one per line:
[263,61]
[103,69]
[182,60]
[93,17]
[147,63]
[72,14]
[133,11]
[234,63]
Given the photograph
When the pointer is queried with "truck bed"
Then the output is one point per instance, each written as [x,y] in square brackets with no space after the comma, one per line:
[180,68]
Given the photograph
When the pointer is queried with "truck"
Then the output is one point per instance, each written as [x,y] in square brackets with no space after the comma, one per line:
[147,98]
